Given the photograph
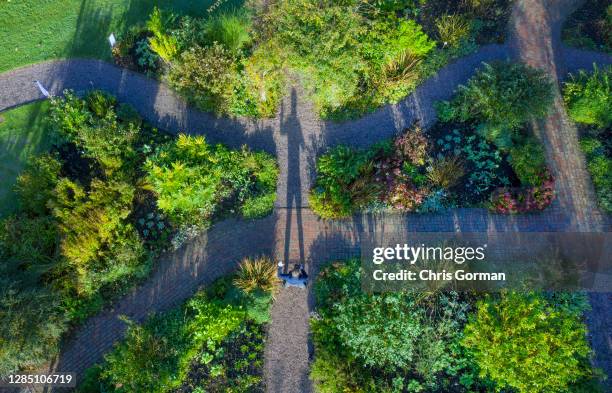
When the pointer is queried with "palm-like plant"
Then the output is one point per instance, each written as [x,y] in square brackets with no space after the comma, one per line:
[162,43]
[257,273]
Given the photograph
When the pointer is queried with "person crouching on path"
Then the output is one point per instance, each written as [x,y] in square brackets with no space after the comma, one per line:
[297,277]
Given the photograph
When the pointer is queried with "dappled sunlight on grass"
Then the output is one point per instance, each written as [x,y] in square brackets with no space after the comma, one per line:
[24,131]
[35,30]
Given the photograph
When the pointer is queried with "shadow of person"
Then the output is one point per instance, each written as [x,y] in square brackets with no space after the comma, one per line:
[291,176]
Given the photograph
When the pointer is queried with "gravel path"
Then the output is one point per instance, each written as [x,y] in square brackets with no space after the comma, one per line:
[296,135]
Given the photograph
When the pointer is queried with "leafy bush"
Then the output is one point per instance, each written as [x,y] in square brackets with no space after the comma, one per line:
[528,162]
[36,183]
[384,342]
[590,26]
[337,171]
[235,366]
[343,54]
[207,77]
[453,30]
[257,274]
[162,43]
[192,179]
[589,97]
[501,98]
[156,356]
[230,29]
[169,349]
[97,130]
[599,165]
[412,145]
[32,325]
[482,160]
[28,244]
[522,342]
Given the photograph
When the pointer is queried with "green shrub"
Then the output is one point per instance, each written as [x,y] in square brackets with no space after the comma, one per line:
[501,97]
[35,184]
[70,114]
[383,342]
[230,29]
[100,103]
[31,325]
[446,172]
[589,97]
[335,187]
[91,224]
[522,342]
[193,179]
[528,162]
[162,43]
[453,30]
[264,80]
[207,76]
[482,161]
[157,356]
[590,26]
[343,55]
[600,168]
[30,244]
[258,206]
[97,131]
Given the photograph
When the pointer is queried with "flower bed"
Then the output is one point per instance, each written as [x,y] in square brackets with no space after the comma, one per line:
[353,56]
[95,212]
[480,153]
[443,341]
[523,200]
[212,343]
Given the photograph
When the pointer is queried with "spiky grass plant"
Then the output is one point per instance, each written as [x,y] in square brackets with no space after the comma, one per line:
[257,273]
[446,172]
[453,29]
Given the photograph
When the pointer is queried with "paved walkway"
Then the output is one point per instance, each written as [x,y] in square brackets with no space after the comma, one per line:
[293,233]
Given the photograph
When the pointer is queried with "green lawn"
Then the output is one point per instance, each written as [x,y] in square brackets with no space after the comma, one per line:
[37,30]
[23,131]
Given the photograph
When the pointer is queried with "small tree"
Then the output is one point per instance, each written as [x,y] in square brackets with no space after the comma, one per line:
[521,341]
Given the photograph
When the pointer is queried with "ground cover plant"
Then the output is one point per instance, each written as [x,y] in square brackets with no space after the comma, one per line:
[590,26]
[212,343]
[353,56]
[588,97]
[95,211]
[446,341]
[480,153]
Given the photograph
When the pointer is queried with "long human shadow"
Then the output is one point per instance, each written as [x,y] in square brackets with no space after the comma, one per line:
[292,130]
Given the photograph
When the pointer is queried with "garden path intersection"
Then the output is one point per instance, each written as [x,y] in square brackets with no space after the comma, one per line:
[293,233]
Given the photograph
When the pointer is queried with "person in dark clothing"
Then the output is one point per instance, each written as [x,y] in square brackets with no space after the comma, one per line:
[297,277]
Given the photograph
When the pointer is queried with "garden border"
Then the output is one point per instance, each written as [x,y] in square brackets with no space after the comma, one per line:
[296,135]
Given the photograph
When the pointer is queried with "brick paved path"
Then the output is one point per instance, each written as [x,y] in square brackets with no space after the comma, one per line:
[293,233]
